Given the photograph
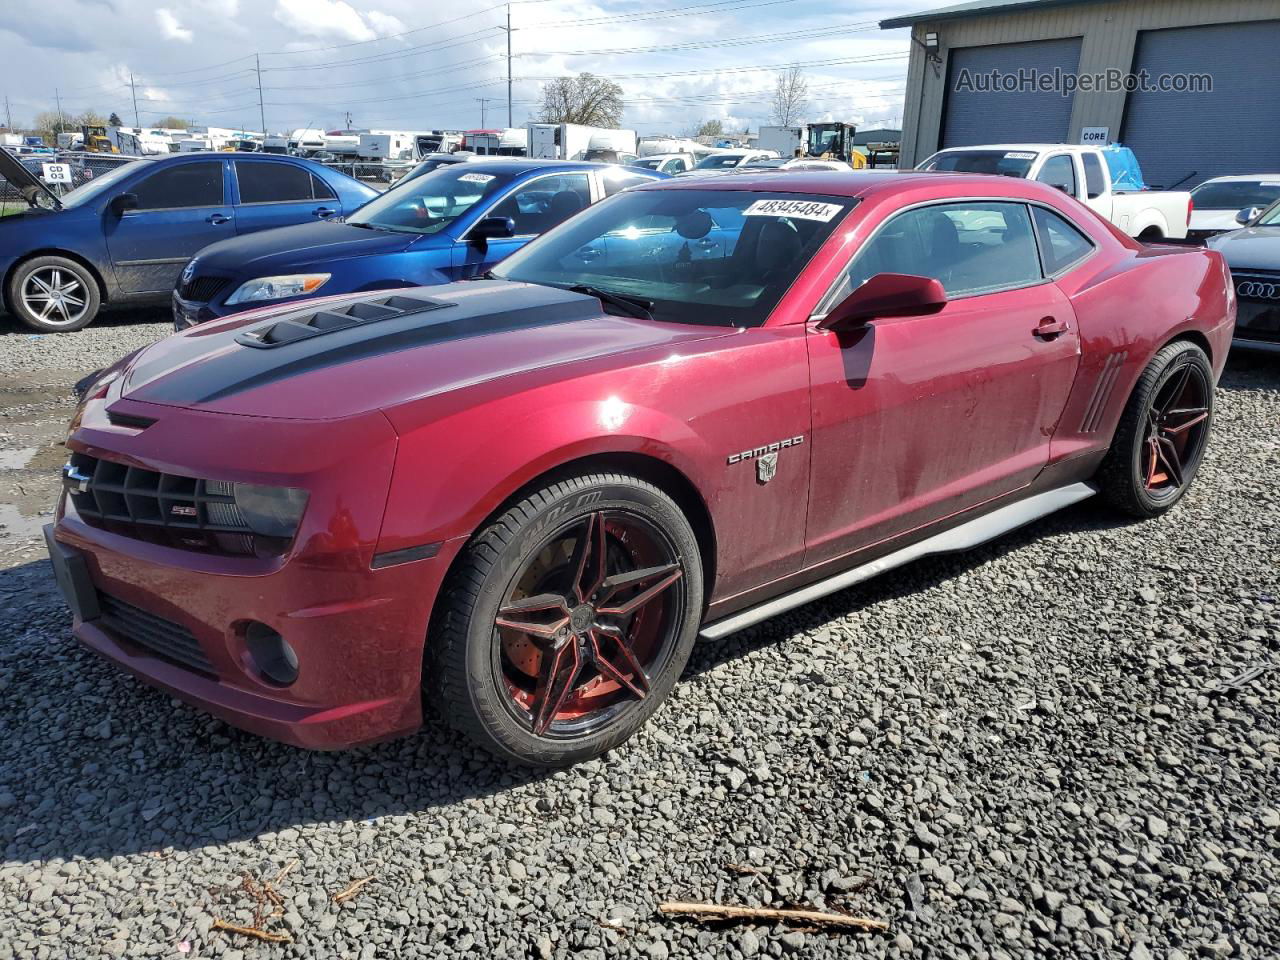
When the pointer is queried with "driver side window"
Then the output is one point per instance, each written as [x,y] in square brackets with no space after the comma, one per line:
[1059,171]
[971,248]
[184,185]
[541,204]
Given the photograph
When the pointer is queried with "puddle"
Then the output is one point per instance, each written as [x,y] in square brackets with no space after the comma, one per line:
[17,459]
[15,525]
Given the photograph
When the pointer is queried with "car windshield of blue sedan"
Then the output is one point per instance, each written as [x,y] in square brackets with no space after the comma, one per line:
[721,257]
[98,185]
[429,203]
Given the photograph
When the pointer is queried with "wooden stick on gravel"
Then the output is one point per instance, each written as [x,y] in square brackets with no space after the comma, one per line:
[252,932]
[351,891]
[716,911]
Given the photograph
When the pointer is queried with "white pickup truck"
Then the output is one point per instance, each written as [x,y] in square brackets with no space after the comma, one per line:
[1149,215]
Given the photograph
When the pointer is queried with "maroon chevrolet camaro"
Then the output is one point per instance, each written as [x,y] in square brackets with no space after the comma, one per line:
[519,500]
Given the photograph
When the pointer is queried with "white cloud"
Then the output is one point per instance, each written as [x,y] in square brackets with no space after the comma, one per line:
[336,19]
[384,24]
[171,28]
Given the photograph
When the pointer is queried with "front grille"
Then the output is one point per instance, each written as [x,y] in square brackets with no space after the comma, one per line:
[202,289]
[164,637]
[1258,309]
[177,511]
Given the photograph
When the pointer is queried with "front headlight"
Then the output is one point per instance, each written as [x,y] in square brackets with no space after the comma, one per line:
[270,511]
[277,288]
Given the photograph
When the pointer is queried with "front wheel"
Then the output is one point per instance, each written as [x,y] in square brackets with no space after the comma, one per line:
[568,620]
[53,294]
[1162,434]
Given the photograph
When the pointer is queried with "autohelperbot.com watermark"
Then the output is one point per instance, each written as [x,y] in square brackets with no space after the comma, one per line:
[1066,83]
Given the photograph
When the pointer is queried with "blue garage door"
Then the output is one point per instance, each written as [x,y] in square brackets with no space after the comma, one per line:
[1235,128]
[1026,116]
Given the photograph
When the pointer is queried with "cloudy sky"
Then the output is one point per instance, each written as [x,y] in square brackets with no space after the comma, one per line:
[404,64]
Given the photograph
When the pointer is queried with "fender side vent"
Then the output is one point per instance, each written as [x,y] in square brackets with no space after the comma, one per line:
[342,318]
[1102,389]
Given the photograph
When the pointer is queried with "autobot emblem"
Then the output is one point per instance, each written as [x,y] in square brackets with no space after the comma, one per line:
[766,457]
[766,467]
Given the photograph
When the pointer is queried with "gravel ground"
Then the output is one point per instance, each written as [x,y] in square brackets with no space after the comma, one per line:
[1023,751]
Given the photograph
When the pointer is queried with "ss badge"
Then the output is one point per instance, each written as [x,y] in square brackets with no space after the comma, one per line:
[766,467]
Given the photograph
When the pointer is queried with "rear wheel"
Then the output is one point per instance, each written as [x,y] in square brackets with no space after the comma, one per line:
[1162,434]
[53,294]
[568,620]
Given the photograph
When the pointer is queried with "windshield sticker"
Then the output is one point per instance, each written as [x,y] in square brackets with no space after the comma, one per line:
[797,209]
[476,177]
[1019,155]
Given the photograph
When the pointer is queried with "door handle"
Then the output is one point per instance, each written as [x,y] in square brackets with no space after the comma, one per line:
[1050,327]
[323,212]
[216,218]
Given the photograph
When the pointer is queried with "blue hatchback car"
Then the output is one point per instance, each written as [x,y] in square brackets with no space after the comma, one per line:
[124,236]
[450,224]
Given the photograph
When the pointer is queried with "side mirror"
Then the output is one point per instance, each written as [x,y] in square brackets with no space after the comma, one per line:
[1248,215]
[493,228]
[886,295]
[122,202]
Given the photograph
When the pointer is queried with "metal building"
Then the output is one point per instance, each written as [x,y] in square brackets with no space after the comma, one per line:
[1182,134]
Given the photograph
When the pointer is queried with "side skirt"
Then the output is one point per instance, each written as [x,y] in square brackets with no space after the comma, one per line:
[964,537]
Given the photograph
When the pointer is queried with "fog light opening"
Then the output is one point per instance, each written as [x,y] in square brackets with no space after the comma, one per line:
[271,654]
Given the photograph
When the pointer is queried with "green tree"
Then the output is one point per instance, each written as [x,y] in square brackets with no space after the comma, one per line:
[711,128]
[586,99]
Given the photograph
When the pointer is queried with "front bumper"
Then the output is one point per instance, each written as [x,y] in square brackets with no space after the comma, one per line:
[177,618]
[360,655]
[187,313]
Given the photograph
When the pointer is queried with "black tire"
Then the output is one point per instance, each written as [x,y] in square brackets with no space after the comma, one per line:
[1126,475]
[468,666]
[75,306]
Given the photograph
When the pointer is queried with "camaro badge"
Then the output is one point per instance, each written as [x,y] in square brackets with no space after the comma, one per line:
[766,457]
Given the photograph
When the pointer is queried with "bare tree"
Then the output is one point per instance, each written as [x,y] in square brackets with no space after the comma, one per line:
[790,97]
[587,99]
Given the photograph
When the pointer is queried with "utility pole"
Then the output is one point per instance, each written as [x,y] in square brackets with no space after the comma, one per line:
[508,29]
[8,117]
[483,101]
[348,121]
[58,99]
[262,116]
[134,90]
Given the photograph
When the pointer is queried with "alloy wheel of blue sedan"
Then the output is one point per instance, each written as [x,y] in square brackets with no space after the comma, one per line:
[55,296]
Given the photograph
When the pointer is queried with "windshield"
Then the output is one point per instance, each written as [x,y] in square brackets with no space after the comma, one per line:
[1270,218]
[429,203]
[719,161]
[823,141]
[720,257]
[95,187]
[649,163]
[1005,163]
[1236,194]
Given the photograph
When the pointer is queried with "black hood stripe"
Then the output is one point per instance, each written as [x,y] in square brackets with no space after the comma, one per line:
[486,307]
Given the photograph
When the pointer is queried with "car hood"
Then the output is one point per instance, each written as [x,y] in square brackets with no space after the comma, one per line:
[26,182]
[320,362]
[259,253]
[1253,248]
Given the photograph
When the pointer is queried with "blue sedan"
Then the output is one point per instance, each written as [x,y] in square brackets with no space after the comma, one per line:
[450,224]
[124,236]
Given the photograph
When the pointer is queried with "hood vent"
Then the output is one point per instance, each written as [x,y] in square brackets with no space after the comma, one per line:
[343,318]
